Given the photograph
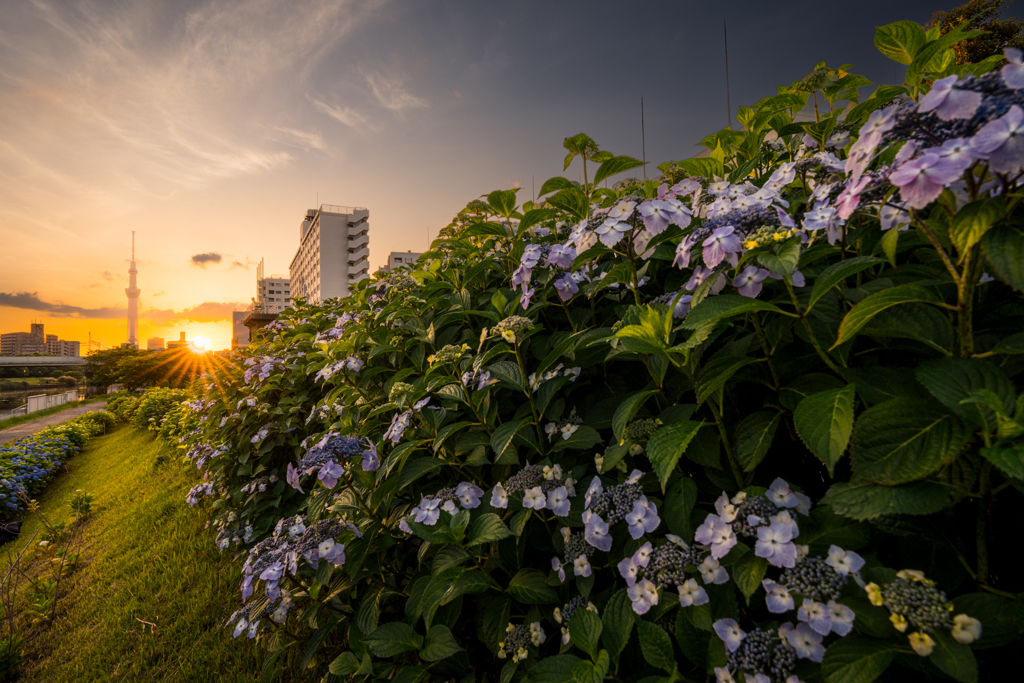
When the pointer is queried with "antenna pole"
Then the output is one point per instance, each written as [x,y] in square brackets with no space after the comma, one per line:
[728,102]
[643,137]
[133,245]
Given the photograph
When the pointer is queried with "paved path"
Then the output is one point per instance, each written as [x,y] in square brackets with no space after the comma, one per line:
[26,428]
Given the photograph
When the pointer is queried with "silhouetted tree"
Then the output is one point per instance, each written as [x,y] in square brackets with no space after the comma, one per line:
[987,16]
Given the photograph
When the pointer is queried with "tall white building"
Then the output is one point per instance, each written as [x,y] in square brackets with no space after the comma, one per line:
[273,292]
[133,292]
[333,252]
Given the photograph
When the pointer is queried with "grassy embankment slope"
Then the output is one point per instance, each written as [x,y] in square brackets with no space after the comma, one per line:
[151,593]
[22,419]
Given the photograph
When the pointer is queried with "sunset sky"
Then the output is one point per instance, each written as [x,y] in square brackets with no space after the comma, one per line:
[210,126]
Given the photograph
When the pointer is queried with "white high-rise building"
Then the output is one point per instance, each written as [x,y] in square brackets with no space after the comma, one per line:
[333,252]
[133,292]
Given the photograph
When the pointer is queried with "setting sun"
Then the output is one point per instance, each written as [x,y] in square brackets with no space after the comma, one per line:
[200,344]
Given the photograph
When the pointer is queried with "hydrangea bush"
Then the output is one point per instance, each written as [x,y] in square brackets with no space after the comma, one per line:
[28,464]
[758,419]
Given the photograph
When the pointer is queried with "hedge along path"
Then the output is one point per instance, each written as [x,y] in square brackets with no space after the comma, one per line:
[151,592]
[33,426]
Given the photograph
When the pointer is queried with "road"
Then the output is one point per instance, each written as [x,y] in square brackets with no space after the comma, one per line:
[26,428]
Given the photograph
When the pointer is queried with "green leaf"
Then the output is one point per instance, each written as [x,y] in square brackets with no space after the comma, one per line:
[344,664]
[615,165]
[556,669]
[582,439]
[617,622]
[503,435]
[862,501]
[836,273]
[890,240]
[470,583]
[856,659]
[952,380]
[691,640]
[974,220]
[656,646]
[905,439]
[585,631]
[572,201]
[875,303]
[408,674]
[954,659]
[666,446]
[447,557]
[1004,247]
[824,422]
[486,528]
[627,410]
[591,672]
[439,644]
[503,202]
[748,573]
[716,373]
[531,218]
[754,436]
[679,502]
[920,322]
[508,372]
[900,40]
[785,261]
[1009,460]
[999,627]
[392,639]
[530,587]
[724,306]
[554,184]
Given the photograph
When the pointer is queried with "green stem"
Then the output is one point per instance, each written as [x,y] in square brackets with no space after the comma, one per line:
[767,351]
[737,472]
[980,531]
[810,332]
[938,247]
[965,302]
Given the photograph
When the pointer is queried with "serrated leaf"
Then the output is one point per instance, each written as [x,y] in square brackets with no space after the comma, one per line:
[582,439]
[754,436]
[1009,460]
[1004,248]
[486,528]
[585,631]
[409,674]
[875,303]
[344,664]
[952,380]
[509,373]
[785,261]
[905,439]
[716,373]
[691,640]
[824,421]
[724,306]
[656,646]
[679,502]
[615,165]
[439,644]
[954,659]
[627,410]
[532,218]
[971,222]
[869,501]
[447,557]
[920,322]
[591,672]
[748,573]
[470,583]
[856,659]
[555,184]
[617,622]
[392,639]
[503,202]
[555,669]
[666,446]
[900,40]
[836,273]
[890,240]
[503,435]
[530,587]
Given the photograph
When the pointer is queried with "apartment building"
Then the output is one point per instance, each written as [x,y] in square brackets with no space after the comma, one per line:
[333,253]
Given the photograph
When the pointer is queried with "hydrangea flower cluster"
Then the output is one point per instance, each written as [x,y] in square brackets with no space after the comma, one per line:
[914,601]
[329,456]
[260,368]
[511,328]
[543,487]
[623,502]
[351,363]
[429,509]
[559,370]
[448,354]
[651,569]
[564,614]
[520,637]
[761,654]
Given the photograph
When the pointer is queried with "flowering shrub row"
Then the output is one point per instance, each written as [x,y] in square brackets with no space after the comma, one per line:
[147,409]
[759,418]
[26,465]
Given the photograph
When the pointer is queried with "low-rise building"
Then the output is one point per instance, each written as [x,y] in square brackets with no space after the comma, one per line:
[397,259]
[239,332]
[155,344]
[180,344]
[37,341]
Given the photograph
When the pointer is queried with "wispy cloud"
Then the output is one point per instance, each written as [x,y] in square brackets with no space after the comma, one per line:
[390,90]
[202,260]
[206,312]
[346,115]
[305,139]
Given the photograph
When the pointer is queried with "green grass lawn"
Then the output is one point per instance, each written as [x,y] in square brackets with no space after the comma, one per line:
[151,593]
[22,419]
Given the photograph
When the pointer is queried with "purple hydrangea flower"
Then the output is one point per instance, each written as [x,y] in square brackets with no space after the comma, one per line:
[329,474]
[777,597]
[559,568]
[922,180]
[658,214]
[1001,142]
[712,572]
[949,102]
[292,477]
[722,242]
[427,512]
[611,231]
[780,494]
[817,615]
[628,569]
[644,595]
[880,122]
[558,501]
[842,618]
[806,642]
[562,255]
[531,256]
[730,633]
[499,497]
[844,561]
[596,532]
[700,274]
[718,534]
[1013,73]
[469,495]
[398,425]
[643,518]
[371,458]
[691,593]
[566,287]
[748,283]
[521,276]
[682,259]
[775,544]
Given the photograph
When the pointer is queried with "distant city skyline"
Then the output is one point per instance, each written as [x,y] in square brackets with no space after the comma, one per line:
[207,125]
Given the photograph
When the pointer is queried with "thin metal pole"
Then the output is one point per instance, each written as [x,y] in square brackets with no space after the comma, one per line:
[728,101]
[643,138]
